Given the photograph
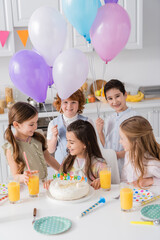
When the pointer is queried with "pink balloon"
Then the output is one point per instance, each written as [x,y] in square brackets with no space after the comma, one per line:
[110,31]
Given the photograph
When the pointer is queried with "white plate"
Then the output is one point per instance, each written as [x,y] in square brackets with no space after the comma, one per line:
[3,188]
[90,195]
[141,195]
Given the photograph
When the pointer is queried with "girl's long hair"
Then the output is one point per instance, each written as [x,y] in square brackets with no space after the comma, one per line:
[142,142]
[21,112]
[84,131]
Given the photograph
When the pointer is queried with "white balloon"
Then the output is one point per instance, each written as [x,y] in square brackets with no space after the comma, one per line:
[47,31]
[70,71]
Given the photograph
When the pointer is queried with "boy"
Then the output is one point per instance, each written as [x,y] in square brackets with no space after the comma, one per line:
[108,132]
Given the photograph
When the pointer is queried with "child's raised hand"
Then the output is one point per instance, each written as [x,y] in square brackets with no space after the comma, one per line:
[99,125]
[47,183]
[55,131]
[96,184]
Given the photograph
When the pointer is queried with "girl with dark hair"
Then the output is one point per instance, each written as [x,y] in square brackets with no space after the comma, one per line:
[23,117]
[84,158]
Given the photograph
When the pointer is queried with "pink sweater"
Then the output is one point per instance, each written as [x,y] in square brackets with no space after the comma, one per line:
[152,169]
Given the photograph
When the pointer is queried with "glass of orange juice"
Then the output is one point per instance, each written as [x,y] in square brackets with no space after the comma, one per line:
[126,197]
[33,184]
[105,178]
[13,191]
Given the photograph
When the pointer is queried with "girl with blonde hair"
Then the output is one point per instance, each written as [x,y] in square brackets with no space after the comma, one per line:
[142,158]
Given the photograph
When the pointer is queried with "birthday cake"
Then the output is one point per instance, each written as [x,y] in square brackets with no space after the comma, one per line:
[68,190]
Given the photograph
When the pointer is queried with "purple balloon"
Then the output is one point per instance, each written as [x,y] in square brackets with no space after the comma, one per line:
[110,1]
[29,73]
[49,69]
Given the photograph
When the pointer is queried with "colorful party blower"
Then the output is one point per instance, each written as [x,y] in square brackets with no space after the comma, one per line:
[102,200]
[110,31]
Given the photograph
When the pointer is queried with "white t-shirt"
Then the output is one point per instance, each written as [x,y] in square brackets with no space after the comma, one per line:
[151,167]
[111,131]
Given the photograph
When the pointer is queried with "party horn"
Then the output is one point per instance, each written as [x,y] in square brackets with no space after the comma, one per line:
[150,200]
[142,222]
[102,200]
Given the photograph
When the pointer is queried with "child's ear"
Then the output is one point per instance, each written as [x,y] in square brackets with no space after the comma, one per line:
[15,124]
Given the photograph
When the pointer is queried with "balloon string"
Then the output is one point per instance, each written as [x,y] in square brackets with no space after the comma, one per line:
[104,70]
[52,95]
[46,111]
[94,85]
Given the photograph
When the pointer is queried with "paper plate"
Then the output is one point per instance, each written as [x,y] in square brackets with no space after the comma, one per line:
[3,188]
[140,195]
[52,225]
[151,212]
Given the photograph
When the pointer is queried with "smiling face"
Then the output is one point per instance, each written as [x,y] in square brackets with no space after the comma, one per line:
[124,141]
[27,128]
[69,107]
[75,146]
[116,99]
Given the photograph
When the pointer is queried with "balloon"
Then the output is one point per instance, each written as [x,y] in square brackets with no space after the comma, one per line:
[81,14]
[70,71]
[29,73]
[110,1]
[50,76]
[49,70]
[47,31]
[110,31]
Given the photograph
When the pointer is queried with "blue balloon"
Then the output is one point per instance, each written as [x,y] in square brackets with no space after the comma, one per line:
[81,14]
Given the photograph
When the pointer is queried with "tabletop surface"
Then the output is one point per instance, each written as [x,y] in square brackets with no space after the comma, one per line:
[106,222]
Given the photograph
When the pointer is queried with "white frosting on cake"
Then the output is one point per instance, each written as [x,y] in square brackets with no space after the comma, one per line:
[68,189]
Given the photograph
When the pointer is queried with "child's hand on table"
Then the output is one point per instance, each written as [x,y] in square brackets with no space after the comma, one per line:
[96,184]
[144,182]
[47,183]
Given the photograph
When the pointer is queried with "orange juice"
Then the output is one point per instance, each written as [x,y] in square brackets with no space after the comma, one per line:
[13,192]
[33,185]
[126,196]
[105,179]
